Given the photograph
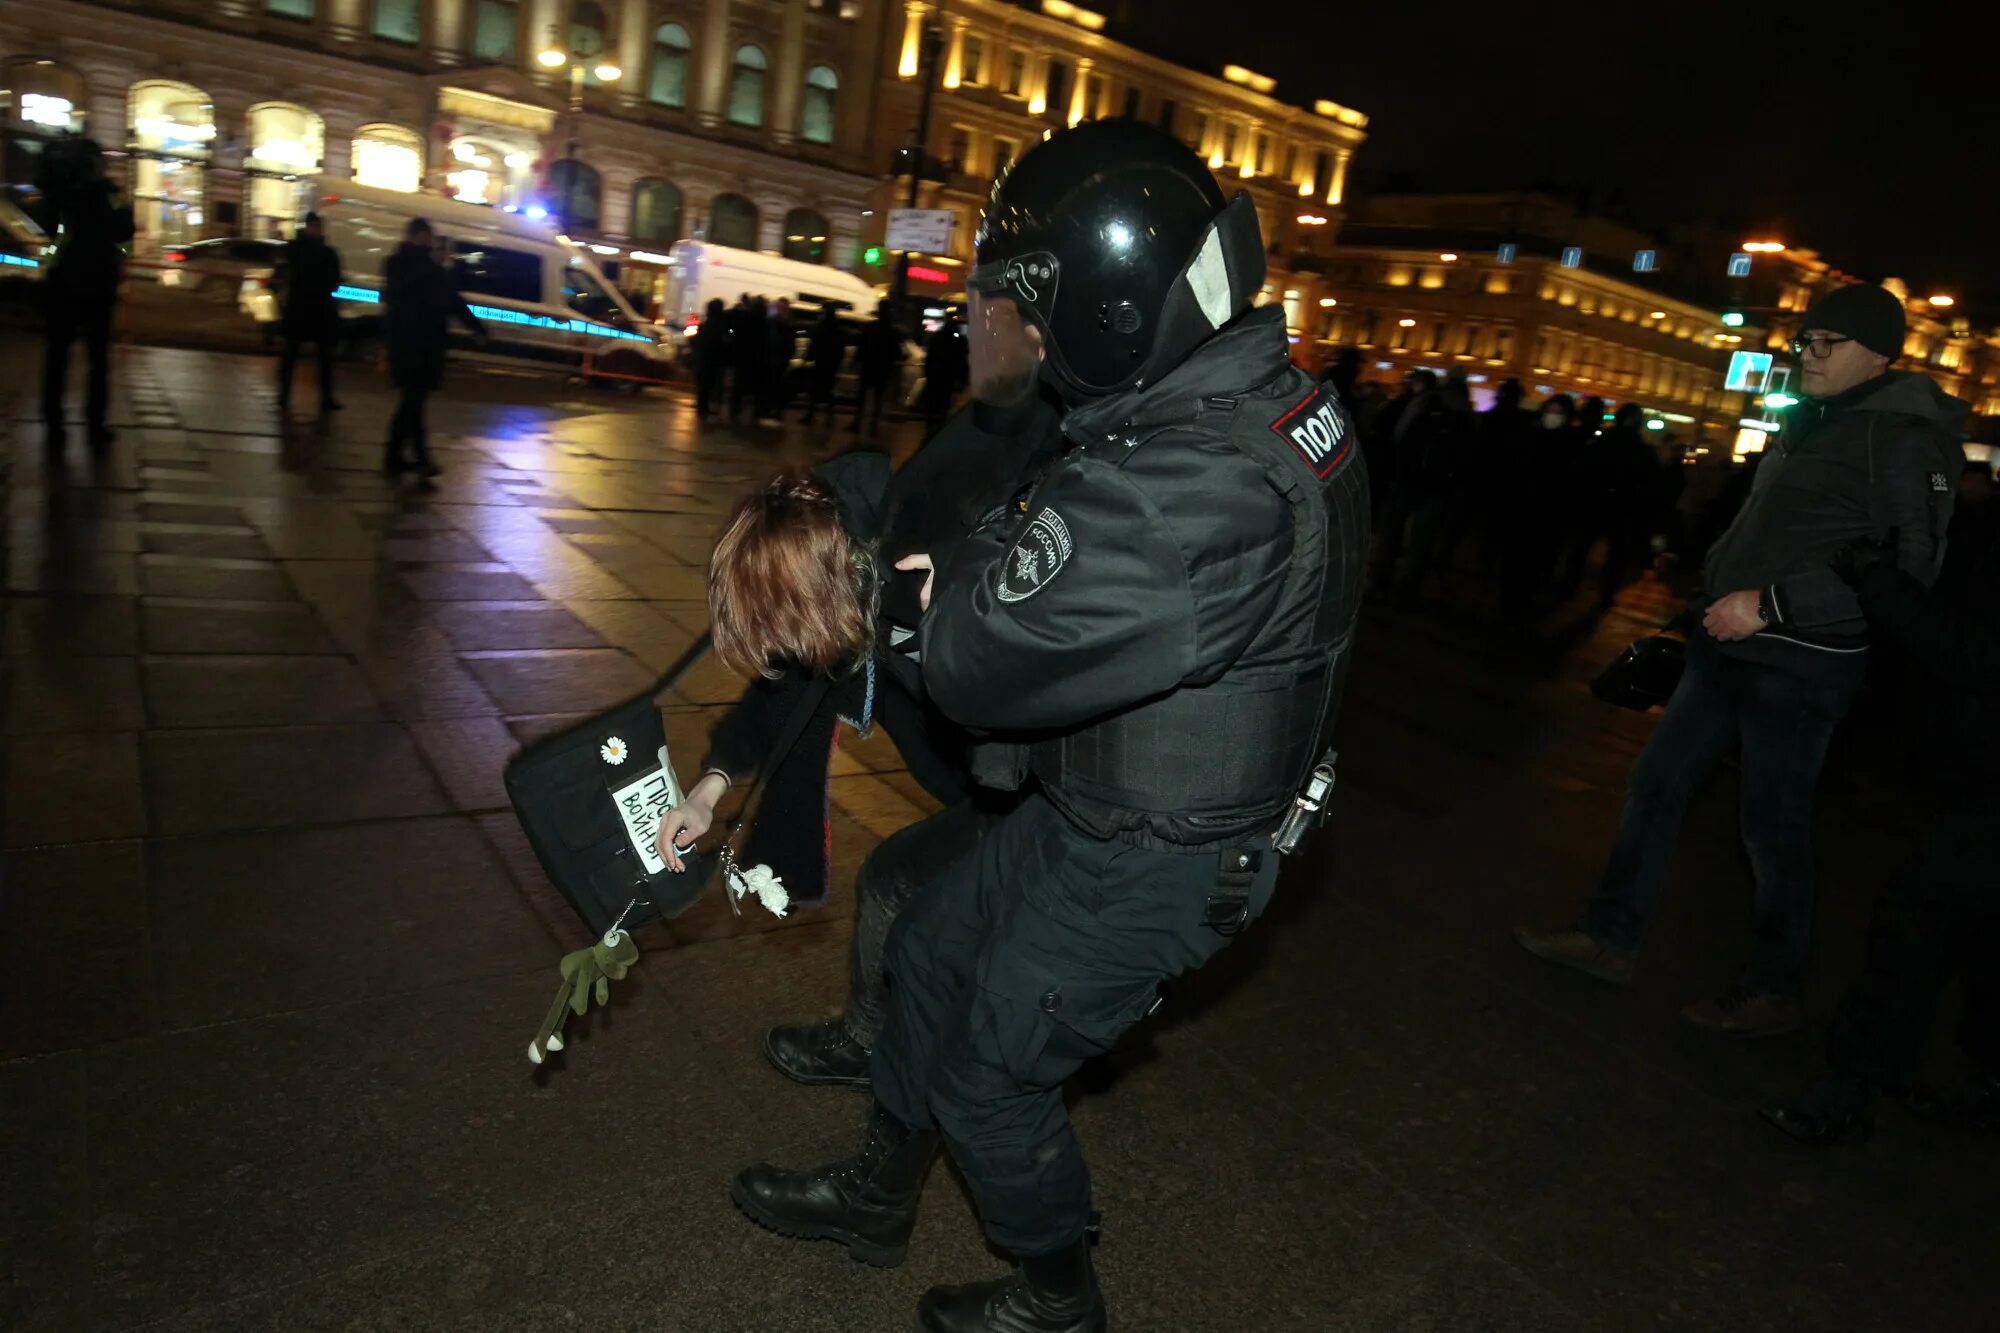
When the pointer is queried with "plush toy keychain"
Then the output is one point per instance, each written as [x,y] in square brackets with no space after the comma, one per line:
[585,972]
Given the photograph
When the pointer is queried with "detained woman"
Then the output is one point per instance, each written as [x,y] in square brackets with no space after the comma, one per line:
[797,589]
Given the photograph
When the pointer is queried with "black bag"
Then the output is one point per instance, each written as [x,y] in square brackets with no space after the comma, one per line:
[590,799]
[1646,674]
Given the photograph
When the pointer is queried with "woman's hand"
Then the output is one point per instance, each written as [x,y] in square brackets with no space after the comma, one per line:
[920,561]
[682,826]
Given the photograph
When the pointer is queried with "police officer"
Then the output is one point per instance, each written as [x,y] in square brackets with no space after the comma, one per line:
[1169,615]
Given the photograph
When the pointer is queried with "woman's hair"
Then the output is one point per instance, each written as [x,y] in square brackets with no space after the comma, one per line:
[788,584]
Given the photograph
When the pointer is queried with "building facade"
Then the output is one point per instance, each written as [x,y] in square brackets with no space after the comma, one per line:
[635,122]
[1006,76]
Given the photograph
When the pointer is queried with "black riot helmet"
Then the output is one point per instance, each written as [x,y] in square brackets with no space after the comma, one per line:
[1115,240]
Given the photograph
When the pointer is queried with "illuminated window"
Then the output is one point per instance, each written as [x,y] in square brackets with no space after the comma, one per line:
[972,62]
[494,29]
[1499,284]
[816,115]
[399,21]
[1502,348]
[1005,150]
[1432,278]
[1398,275]
[388,157]
[667,84]
[746,87]
[576,193]
[289,9]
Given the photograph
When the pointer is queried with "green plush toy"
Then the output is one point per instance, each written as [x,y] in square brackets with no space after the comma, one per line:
[584,972]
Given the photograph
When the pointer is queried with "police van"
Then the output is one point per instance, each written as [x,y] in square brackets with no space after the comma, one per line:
[701,271]
[541,296]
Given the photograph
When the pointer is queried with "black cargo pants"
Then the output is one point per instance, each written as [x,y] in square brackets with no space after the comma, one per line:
[901,865]
[1030,956]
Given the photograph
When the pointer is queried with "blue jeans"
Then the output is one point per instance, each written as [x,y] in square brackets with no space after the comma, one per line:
[1782,724]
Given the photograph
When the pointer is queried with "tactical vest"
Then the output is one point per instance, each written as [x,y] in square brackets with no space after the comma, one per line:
[1216,762]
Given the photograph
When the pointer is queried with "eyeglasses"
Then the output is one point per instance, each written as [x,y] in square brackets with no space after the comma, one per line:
[1821,347]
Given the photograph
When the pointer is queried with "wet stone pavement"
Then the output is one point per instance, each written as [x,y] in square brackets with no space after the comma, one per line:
[271,948]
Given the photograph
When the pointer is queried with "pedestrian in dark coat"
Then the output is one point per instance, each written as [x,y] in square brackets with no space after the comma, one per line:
[749,354]
[419,301]
[1631,493]
[944,372]
[310,274]
[711,356]
[824,353]
[94,222]
[877,357]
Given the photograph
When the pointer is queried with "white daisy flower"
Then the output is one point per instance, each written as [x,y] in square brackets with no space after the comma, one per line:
[613,751]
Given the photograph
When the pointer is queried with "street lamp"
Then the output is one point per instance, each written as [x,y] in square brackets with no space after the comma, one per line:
[555,57]
[1941,301]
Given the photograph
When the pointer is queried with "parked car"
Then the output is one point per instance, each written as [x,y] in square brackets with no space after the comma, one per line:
[216,269]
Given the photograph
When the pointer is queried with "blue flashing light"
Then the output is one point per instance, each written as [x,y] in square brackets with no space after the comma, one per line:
[496,315]
[19,261]
[536,211]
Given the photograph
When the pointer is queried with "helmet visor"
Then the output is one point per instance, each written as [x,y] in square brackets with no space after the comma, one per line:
[1004,348]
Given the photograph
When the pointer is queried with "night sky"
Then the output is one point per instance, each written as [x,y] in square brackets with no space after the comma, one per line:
[1876,142]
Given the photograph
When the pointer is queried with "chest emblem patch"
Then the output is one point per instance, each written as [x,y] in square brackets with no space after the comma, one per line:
[1318,431]
[1035,558]
[1940,485]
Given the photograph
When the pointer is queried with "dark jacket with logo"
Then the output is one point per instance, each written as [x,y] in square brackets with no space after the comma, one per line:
[1172,610]
[1881,458]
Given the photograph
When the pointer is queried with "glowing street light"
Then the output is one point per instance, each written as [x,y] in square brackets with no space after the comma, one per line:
[607,72]
[1448,257]
[1941,301]
[553,59]
[1764,247]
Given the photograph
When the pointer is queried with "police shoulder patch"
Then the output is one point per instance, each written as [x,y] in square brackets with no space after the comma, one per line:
[1317,429]
[1940,484]
[1035,558]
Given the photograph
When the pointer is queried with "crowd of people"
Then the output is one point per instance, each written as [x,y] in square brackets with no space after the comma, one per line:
[1529,491]
[752,359]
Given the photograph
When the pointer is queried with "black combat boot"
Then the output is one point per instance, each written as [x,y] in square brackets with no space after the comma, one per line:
[867,1202]
[818,1053]
[1052,1293]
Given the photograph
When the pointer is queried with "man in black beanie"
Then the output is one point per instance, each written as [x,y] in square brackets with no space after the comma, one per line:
[1780,649]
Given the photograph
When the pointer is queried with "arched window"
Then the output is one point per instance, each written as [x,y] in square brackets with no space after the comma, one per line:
[732,220]
[286,143]
[496,26]
[388,157]
[656,211]
[399,20]
[173,125]
[576,194]
[805,236]
[669,81]
[816,115]
[746,87]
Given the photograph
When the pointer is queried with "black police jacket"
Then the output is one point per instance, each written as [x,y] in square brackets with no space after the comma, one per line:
[1171,613]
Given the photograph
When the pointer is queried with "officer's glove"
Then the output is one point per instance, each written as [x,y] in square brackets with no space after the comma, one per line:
[1854,561]
[585,972]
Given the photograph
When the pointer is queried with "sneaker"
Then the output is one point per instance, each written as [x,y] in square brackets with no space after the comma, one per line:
[1578,948]
[1743,1012]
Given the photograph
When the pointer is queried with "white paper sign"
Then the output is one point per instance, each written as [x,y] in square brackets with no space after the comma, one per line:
[641,804]
[926,231]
